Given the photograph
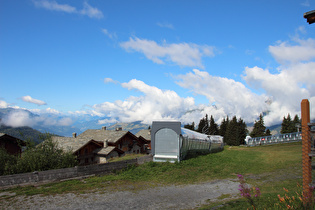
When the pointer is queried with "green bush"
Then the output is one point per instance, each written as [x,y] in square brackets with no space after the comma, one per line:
[45,156]
[6,160]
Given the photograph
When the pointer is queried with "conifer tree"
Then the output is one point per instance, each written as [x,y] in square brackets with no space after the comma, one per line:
[288,125]
[259,127]
[190,126]
[213,127]
[223,128]
[203,126]
[231,135]
[268,133]
[297,123]
[242,131]
[285,124]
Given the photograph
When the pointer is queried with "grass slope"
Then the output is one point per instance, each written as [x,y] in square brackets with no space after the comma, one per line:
[269,167]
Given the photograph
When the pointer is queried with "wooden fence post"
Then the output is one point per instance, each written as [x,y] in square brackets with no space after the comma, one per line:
[306,149]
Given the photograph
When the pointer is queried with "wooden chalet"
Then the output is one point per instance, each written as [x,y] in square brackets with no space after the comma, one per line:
[144,135]
[123,140]
[11,144]
[96,146]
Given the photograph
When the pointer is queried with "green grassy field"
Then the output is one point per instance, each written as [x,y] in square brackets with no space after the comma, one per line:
[271,168]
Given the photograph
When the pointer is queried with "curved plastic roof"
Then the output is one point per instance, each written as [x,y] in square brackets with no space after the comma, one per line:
[194,135]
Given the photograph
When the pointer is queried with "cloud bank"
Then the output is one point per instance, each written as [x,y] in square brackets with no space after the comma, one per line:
[154,104]
[282,94]
[44,118]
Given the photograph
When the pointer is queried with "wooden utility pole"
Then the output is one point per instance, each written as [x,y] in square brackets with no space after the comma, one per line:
[306,149]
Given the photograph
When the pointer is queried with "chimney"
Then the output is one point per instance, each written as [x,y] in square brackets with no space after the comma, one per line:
[106,143]
[103,128]
[119,129]
[74,135]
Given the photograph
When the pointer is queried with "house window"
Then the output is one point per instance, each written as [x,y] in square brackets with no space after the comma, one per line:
[86,160]
[86,151]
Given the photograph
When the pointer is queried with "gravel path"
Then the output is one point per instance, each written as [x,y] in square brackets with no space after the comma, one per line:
[168,197]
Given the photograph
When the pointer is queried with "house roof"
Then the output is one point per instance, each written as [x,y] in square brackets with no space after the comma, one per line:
[107,150]
[112,136]
[310,16]
[145,133]
[6,136]
[70,143]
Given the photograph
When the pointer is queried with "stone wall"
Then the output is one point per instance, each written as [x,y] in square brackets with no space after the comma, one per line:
[67,173]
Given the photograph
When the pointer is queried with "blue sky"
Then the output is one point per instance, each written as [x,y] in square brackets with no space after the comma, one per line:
[151,60]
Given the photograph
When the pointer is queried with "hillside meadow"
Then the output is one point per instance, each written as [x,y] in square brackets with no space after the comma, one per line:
[275,170]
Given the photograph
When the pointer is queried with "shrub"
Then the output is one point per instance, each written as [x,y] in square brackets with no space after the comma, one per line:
[44,156]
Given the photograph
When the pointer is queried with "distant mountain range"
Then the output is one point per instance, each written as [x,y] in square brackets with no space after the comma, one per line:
[80,124]
[24,133]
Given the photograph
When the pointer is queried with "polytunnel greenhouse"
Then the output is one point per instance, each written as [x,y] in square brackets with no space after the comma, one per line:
[170,142]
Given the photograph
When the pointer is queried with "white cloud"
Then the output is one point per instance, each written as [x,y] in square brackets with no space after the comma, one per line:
[165,25]
[54,6]
[46,111]
[182,54]
[90,11]
[287,88]
[107,121]
[29,99]
[230,97]
[3,104]
[284,52]
[154,104]
[293,82]
[110,35]
[18,118]
[49,117]
[110,80]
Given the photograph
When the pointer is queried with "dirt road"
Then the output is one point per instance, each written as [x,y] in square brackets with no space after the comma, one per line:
[167,197]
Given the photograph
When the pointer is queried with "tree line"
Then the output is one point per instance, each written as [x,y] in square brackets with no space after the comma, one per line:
[287,126]
[234,131]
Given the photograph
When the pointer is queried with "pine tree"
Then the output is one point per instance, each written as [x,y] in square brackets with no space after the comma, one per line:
[213,128]
[292,128]
[285,125]
[223,127]
[268,133]
[190,126]
[242,131]
[288,125]
[259,127]
[201,125]
[297,123]
[231,135]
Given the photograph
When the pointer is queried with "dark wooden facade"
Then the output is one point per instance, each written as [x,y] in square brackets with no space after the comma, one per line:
[11,144]
[129,143]
[86,155]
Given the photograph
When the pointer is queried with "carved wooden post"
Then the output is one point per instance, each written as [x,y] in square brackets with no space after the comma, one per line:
[306,148]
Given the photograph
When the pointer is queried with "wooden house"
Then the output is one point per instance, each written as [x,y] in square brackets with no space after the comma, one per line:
[11,144]
[144,136]
[123,140]
[100,145]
